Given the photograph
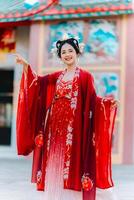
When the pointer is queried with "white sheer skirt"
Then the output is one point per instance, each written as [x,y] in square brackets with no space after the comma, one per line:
[54,179]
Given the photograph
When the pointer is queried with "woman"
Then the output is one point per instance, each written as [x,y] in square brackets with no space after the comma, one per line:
[68,128]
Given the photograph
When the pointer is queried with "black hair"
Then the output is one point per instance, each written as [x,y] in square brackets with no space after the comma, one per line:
[72,41]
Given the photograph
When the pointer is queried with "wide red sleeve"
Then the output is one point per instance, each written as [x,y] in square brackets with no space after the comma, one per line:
[26,112]
[105,114]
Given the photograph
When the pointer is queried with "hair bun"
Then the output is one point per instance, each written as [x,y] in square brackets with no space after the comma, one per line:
[58,43]
[72,41]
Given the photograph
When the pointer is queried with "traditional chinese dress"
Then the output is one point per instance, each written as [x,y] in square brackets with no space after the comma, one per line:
[59,130]
[71,153]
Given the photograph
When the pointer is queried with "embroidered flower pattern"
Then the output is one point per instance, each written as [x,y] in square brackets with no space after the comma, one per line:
[39,140]
[39,177]
[61,118]
[93,139]
[87,183]
[69,135]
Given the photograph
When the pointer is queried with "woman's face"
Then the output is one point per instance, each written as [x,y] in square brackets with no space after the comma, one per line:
[68,54]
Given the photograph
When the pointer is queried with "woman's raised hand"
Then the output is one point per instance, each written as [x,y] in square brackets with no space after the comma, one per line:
[22,61]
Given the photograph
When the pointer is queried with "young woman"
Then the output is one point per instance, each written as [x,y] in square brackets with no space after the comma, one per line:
[68,128]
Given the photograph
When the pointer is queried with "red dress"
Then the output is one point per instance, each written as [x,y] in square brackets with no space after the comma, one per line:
[59,118]
[63,160]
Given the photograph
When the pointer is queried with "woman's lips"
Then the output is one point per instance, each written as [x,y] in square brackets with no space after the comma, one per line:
[68,59]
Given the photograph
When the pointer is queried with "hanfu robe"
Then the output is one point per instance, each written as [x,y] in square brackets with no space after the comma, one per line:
[87,161]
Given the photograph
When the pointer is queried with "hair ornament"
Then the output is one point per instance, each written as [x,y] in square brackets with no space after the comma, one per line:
[64,37]
[81,46]
[54,49]
[67,36]
[75,41]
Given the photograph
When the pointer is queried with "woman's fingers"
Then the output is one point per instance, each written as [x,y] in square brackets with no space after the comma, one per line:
[20,59]
[17,57]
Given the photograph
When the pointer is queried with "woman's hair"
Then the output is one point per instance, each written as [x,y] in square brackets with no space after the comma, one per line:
[72,41]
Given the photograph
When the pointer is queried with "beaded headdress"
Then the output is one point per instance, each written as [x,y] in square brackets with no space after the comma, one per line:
[65,37]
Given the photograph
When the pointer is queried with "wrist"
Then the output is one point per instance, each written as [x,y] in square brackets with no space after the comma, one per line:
[25,66]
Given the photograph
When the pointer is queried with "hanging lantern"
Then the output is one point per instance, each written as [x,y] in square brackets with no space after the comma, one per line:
[7,39]
[8,34]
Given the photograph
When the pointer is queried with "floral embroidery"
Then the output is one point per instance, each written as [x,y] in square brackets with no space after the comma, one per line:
[87,183]
[69,135]
[39,177]
[48,141]
[64,88]
[39,140]
[74,102]
[69,139]
[93,139]
[61,118]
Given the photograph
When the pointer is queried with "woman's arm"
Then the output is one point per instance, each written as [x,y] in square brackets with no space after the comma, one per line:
[104,118]
[27,108]
[104,114]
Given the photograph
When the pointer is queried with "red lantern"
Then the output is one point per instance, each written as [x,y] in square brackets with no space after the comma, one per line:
[39,140]
[8,34]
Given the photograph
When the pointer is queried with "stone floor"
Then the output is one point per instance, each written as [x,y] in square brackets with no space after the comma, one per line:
[15,181]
